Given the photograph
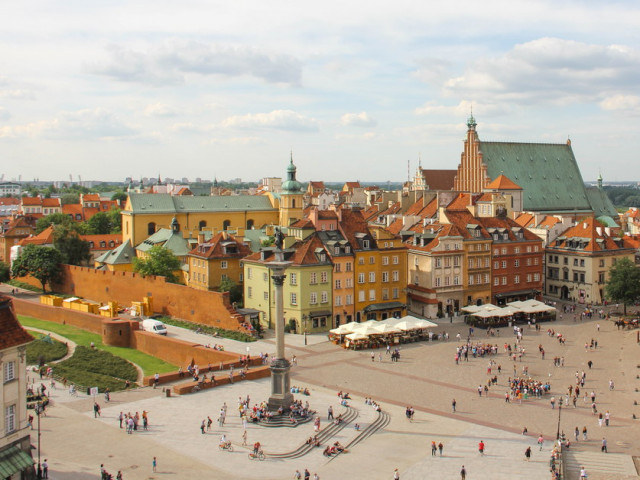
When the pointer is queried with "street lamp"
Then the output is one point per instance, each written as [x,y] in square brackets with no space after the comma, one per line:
[38,409]
[304,320]
[559,413]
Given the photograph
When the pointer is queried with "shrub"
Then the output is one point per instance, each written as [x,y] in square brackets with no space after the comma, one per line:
[103,363]
[87,379]
[232,334]
[48,351]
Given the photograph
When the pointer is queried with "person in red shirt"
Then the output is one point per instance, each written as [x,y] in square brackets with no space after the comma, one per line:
[481,447]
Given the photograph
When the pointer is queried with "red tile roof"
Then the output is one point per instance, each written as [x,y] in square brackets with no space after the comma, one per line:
[595,234]
[51,202]
[439,179]
[526,220]
[9,201]
[503,183]
[45,237]
[214,248]
[116,238]
[31,201]
[13,335]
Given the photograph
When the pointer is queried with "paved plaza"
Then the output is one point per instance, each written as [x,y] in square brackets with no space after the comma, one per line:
[426,378]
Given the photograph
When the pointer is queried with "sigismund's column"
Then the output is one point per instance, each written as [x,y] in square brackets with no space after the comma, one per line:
[280,386]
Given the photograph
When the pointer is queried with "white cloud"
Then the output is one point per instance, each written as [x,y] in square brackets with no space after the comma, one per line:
[238,141]
[159,110]
[361,119]
[190,127]
[17,94]
[622,103]
[171,62]
[461,110]
[4,114]
[361,136]
[33,129]
[276,120]
[550,71]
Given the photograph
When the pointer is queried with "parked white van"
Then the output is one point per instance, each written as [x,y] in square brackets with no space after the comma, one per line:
[154,326]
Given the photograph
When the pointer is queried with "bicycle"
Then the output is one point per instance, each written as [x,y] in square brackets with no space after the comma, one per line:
[260,455]
[226,446]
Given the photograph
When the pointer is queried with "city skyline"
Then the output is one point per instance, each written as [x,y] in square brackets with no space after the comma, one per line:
[204,90]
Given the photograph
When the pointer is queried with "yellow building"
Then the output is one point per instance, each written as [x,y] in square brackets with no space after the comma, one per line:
[216,260]
[119,259]
[291,198]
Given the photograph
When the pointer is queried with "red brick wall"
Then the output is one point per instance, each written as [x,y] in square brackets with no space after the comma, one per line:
[86,321]
[209,308]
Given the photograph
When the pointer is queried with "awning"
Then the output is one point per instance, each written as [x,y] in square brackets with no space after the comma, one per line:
[14,460]
[514,294]
[376,307]
[252,312]
[420,298]
[320,313]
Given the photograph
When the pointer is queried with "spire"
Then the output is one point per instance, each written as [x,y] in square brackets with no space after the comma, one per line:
[600,180]
[471,122]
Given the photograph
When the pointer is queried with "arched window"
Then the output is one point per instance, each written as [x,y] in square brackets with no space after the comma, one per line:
[226,224]
[293,203]
[249,224]
[202,225]
[151,228]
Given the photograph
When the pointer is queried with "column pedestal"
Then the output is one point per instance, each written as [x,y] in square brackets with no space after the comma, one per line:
[281,395]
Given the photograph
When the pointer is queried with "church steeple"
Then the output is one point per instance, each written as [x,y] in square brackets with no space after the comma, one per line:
[471,122]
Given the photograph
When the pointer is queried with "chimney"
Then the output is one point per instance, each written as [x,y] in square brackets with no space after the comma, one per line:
[200,238]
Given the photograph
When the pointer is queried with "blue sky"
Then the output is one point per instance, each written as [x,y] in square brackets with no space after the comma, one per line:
[355,89]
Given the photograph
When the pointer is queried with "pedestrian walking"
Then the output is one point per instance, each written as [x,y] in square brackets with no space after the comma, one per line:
[396,475]
[440,448]
[154,464]
[481,448]
[434,449]
[584,432]
[120,418]
[603,448]
[527,454]
[45,469]
[583,473]
[330,413]
[463,473]
[244,441]
[453,405]
[202,426]
[373,357]
[297,475]
[540,441]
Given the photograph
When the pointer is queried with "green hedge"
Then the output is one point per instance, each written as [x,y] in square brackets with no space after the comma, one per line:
[87,379]
[102,363]
[232,334]
[24,286]
[49,351]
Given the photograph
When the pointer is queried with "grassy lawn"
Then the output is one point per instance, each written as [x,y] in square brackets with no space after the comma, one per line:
[44,350]
[149,364]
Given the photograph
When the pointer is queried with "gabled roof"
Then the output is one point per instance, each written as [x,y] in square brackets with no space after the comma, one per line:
[51,202]
[352,224]
[600,203]
[462,201]
[465,221]
[45,237]
[215,247]
[507,225]
[165,203]
[303,252]
[13,335]
[107,238]
[526,220]
[439,179]
[589,235]
[31,201]
[169,239]
[503,183]
[9,201]
[124,254]
[370,213]
[302,223]
[548,173]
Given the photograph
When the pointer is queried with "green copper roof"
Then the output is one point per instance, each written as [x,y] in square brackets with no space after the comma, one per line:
[165,203]
[548,174]
[123,254]
[602,206]
[170,240]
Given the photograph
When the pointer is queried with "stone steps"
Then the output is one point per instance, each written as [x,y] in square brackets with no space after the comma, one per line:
[597,462]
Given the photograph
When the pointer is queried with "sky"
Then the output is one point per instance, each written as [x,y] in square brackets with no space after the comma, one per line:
[353,90]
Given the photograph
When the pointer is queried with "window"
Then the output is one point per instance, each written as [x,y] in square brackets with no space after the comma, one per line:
[265,276]
[293,279]
[395,275]
[226,224]
[472,263]
[447,281]
[10,419]
[338,284]
[438,262]
[504,251]
[504,264]
[437,282]
[324,297]
[516,279]
[575,262]
[470,279]
[349,282]
[385,294]
[313,279]
[372,295]
[361,278]
[496,252]
[241,277]
[396,293]
[372,277]
[496,265]
[338,300]
[348,300]
[582,262]
[602,262]
[395,260]
[456,280]
[223,264]
[250,224]
[447,261]
[487,261]
[535,261]
[323,277]
[9,371]
[535,249]
[504,280]
[313,299]
[249,292]
[151,228]
[528,262]
[347,267]
[361,295]
[361,261]
[223,277]
[516,263]
[487,280]
[249,273]
[529,248]
[266,295]
[516,250]
[294,299]
[385,260]
[372,260]
[536,277]
[479,278]
[456,261]
[336,250]
[528,277]
[385,276]
[365,244]
[496,281]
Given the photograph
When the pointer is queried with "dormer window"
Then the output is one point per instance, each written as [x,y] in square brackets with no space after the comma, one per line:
[336,250]
[365,244]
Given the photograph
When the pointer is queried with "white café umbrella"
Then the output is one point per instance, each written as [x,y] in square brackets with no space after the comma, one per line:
[471,309]
[341,330]
[386,328]
[421,323]
[367,330]
[357,336]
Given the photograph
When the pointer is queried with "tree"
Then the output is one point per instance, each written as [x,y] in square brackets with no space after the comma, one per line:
[5,272]
[70,199]
[235,290]
[159,261]
[623,285]
[74,250]
[115,217]
[42,263]
[99,224]
[53,219]
[119,196]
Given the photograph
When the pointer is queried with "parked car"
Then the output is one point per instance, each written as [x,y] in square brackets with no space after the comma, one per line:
[154,326]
